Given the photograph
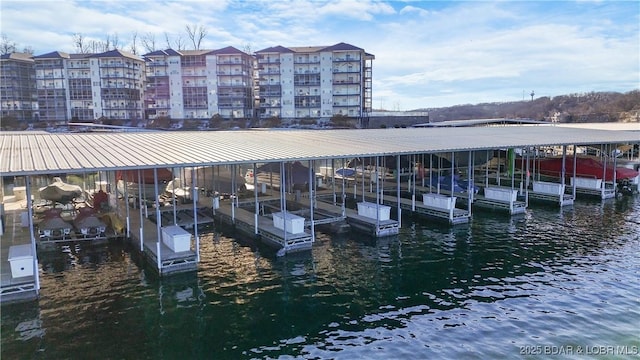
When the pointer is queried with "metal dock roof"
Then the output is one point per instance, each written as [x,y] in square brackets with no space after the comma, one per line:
[37,153]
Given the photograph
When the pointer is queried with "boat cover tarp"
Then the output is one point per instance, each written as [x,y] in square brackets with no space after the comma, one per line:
[59,191]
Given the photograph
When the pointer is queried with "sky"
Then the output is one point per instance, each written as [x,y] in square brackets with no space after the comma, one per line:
[428,54]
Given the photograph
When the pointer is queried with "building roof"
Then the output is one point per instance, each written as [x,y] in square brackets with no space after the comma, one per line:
[307,49]
[194,52]
[116,53]
[79,56]
[342,47]
[275,49]
[53,55]
[37,153]
[229,50]
[167,52]
[311,49]
[18,56]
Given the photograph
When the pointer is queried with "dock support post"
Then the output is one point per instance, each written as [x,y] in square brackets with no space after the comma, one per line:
[283,201]
[377,194]
[312,195]
[32,238]
[470,182]
[126,204]
[158,218]
[575,163]
[398,190]
[255,198]
[194,193]
[140,210]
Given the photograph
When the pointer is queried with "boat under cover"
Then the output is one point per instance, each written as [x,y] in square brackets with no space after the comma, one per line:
[586,166]
[59,191]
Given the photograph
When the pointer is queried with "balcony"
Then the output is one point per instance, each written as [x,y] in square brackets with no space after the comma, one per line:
[268,61]
[345,59]
[269,71]
[268,105]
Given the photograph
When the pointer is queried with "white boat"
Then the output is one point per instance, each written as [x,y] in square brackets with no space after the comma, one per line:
[60,192]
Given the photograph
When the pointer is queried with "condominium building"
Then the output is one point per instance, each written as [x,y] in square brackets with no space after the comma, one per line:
[89,86]
[18,97]
[52,86]
[314,82]
[117,82]
[198,84]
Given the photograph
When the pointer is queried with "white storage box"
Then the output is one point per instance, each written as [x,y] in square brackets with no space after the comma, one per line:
[439,201]
[20,192]
[295,223]
[21,260]
[176,238]
[588,183]
[369,210]
[502,194]
[548,188]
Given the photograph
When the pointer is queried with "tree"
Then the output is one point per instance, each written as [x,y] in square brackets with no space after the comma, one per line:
[6,45]
[177,40]
[134,43]
[273,121]
[80,43]
[247,48]
[340,120]
[196,33]
[215,121]
[149,42]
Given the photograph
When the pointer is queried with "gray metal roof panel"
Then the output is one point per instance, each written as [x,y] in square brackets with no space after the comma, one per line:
[31,153]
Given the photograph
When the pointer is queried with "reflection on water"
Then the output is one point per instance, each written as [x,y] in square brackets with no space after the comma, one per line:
[549,277]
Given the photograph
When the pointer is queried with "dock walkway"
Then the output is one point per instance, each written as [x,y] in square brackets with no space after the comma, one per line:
[245,221]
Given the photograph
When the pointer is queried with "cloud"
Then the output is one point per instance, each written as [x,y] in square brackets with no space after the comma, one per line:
[426,52]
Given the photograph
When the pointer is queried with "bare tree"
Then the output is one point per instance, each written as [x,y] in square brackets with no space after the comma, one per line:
[80,43]
[149,42]
[178,41]
[134,43]
[196,33]
[6,45]
[115,42]
[28,50]
[247,48]
[95,46]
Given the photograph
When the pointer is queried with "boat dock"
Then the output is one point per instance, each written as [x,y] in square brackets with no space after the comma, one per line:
[160,256]
[167,233]
[18,281]
[550,192]
[501,199]
[434,206]
[295,238]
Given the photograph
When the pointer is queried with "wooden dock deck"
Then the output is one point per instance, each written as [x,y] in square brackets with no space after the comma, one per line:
[560,200]
[453,216]
[244,221]
[169,261]
[22,288]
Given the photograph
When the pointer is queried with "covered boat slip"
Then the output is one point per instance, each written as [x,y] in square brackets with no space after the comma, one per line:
[33,154]
[18,281]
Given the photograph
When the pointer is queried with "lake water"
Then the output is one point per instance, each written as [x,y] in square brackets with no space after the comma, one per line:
[552,281]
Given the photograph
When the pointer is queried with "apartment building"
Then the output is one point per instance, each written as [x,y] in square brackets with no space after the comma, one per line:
[198,84]
[314,81]
[51,86]
[117,82]
[18,97]
[85,87]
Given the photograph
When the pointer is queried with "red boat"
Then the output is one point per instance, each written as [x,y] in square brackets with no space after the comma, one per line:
[147,176]
[586,166]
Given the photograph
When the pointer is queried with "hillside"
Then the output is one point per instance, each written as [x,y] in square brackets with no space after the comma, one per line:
[588,107]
